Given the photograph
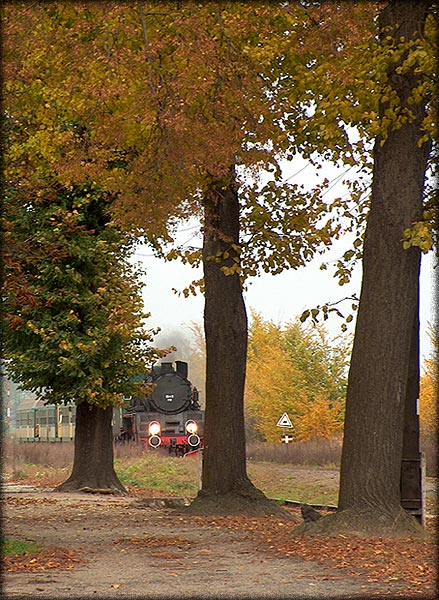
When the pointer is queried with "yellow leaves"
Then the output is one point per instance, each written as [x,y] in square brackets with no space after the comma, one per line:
[428,410]
[429,388]
[233,270]
[422,140]
[81,346]
[288,370]
[319,420]
[419,235]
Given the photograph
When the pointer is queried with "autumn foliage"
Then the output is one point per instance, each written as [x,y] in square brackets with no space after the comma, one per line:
[428,396]
[74,314]
[294,369]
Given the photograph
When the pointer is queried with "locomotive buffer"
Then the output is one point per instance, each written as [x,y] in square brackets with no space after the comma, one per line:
[285,423]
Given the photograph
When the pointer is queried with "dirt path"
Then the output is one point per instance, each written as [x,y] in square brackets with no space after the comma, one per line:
[131,550]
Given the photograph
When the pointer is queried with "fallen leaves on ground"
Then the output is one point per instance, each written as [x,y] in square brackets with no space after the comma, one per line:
[139,492]
[408,561]
[45,559]
[156,542]
[20,501]
[42,480]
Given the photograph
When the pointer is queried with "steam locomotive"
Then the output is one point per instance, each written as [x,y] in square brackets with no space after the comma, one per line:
[170,418]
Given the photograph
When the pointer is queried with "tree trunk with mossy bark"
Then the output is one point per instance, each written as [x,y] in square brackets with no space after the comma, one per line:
[93,467]
[369,500]
[226,488]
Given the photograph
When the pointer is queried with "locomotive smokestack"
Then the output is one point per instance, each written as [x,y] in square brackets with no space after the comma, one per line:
[166,367]
[181,367]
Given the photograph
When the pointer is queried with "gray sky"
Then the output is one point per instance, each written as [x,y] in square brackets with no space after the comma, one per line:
[280,298]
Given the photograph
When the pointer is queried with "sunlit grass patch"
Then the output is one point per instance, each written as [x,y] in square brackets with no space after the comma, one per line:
[16,547]
[319,486]
[166,474]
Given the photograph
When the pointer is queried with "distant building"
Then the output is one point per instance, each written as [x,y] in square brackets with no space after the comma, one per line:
[12,397]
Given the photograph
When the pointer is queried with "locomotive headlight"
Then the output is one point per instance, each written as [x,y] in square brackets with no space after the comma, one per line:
[191,426]
[154,428]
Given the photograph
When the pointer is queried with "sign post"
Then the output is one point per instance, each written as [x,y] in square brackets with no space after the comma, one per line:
[285,423]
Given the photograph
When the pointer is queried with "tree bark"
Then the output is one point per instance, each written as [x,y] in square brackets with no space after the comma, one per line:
[226,487]
[93,468]
[225,324]
[372,452]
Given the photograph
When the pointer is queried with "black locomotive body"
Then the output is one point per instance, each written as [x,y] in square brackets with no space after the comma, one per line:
[171,417]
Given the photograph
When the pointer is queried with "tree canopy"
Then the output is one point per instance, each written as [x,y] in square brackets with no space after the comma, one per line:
[154,100]
[176,108]
[74,314]
[295,369]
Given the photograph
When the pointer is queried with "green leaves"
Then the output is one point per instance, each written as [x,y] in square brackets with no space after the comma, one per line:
[82,335]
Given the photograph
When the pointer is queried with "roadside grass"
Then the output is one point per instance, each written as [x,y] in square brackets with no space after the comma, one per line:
[161,474]
[305,472]
[37,474]
[311,485]
[16,547]
[164,474]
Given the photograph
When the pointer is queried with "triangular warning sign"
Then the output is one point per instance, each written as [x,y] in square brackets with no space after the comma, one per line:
[284,421]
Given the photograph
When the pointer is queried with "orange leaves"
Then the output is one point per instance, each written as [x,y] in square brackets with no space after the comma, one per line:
[295,370]
[321,419]
[48,558]
[428,409]
[412,562]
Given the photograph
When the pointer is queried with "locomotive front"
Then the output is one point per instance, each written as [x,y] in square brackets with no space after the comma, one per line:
[171,417]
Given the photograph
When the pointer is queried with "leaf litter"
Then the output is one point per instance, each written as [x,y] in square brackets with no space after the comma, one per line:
[409,561]
[43,560]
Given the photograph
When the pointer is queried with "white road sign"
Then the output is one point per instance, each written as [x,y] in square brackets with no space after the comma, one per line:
[284,421]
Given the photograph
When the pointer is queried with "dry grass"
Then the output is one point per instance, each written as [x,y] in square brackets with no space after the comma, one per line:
[45,454]
[321,453]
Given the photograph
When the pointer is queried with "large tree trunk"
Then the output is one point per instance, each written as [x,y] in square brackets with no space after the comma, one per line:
[93,469]
[225,485]
[369,498]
